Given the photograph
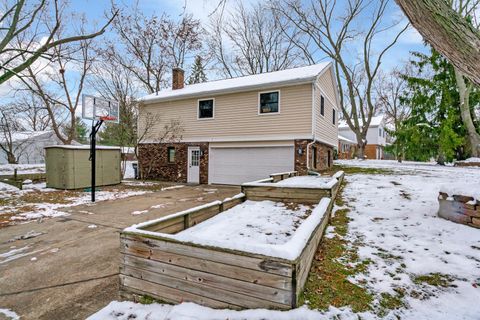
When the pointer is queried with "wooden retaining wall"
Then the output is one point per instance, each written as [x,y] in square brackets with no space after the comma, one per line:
[257,192]
[173,271]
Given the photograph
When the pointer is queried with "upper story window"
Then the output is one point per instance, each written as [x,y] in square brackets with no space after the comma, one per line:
[322,105]
[205,108]
[380,132]
[269,102]
[334,116]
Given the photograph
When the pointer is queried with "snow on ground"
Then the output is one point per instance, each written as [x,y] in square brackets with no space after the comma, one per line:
[190,311]
[394,223]
[471,160]
[7,187]
[394,217]
[305,181]
[9,315]
[6,169]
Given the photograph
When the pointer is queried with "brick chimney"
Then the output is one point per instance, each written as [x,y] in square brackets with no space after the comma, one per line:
[177,78]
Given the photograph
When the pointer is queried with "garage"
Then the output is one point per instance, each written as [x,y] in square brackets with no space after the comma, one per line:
[236,165]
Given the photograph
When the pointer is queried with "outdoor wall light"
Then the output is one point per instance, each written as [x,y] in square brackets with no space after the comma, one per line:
[300,151]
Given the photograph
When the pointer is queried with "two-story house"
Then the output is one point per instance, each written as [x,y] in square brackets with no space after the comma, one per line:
[376,138]
[242,129]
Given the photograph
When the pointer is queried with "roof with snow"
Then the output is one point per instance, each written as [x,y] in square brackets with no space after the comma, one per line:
[21,136]
[342,138]
[375,122]
[245,83]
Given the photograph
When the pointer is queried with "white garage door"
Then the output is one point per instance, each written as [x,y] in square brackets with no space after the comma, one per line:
[239,165]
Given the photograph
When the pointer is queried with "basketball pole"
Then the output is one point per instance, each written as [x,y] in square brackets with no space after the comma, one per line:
[93,152]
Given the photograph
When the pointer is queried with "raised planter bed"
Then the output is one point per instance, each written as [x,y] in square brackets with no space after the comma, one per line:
[305,189]
[471,162]
[224,254]
[460,204]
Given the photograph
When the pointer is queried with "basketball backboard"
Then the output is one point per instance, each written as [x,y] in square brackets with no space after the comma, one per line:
[96,108]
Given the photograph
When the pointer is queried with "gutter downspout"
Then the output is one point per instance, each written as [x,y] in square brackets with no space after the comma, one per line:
[313,128]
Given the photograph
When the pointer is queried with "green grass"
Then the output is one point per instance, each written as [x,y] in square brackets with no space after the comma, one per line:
[327,284]
[435,279]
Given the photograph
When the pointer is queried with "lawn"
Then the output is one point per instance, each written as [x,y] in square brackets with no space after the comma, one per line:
[386,254]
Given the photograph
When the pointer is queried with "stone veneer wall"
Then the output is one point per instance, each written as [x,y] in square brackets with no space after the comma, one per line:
[322,156]
[153,161]
[460,209]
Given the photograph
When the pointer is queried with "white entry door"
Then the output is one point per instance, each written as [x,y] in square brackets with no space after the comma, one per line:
[193,173]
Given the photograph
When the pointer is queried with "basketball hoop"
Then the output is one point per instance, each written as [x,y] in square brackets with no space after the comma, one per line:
[99,110]
[108,118]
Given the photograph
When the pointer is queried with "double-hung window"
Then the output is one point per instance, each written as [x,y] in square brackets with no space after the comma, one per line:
[269,102]
[206,108]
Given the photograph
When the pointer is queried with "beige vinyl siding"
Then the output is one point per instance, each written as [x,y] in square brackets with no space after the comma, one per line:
[325,130]
[236,115]
[327,84]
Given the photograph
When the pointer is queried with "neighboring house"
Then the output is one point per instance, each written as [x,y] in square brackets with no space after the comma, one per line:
[242,129]
[376,137]
[28,146]
[346,148]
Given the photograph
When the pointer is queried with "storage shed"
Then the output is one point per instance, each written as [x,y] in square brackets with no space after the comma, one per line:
[68,166]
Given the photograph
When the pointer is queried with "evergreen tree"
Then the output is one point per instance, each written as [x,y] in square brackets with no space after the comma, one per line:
[435,128]
[198,72]
[123,133]
[81,131]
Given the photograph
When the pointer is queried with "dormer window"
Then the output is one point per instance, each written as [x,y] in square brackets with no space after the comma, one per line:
[206,108]
[269,102]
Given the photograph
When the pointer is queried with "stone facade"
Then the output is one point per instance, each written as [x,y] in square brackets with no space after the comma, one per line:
[459,209]
[324,156]
[153,161]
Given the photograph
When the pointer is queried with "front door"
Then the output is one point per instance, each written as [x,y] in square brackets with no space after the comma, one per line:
[193,174]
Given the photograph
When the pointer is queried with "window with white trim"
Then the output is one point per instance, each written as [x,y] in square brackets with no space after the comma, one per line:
[334,116]
[205,109]
[269,102]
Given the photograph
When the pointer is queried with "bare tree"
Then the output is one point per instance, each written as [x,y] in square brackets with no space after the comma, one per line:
[332,27]
[31,110]
[10,126]
[149,46]
[183,38]
[20,19]
[467,9]
[59,83]
[448,32]
[390,87]
[256,42]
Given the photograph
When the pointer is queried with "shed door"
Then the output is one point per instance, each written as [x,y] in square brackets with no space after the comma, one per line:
[238,165]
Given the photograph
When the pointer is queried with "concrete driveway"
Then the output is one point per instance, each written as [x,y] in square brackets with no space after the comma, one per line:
[70,270]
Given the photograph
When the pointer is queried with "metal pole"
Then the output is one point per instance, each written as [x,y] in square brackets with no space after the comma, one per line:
[93,158]
[93,153]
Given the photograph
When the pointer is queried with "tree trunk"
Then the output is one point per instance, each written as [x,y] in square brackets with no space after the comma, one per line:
[464,91]
[11,158]
[447,32]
